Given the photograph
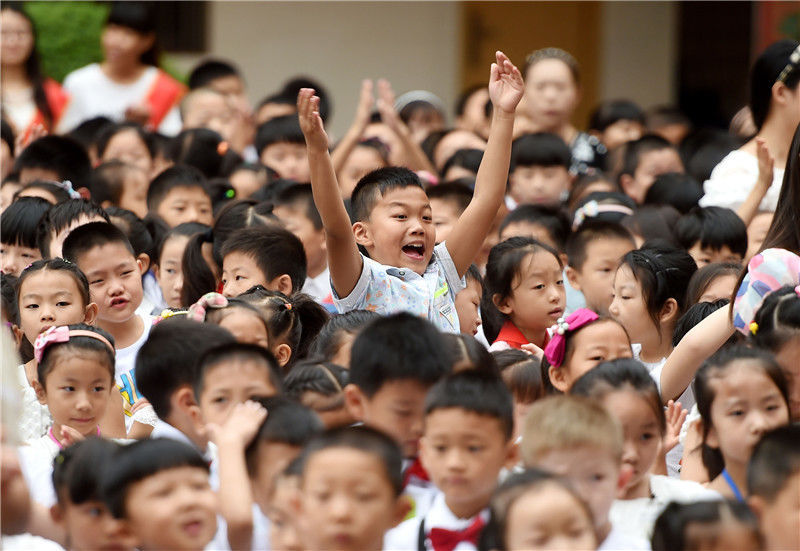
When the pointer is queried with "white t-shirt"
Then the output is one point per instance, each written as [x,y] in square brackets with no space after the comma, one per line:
[34,419]
[36,463]
[733,179]
[93,94]
[124,375]
[618,540]
[319,287]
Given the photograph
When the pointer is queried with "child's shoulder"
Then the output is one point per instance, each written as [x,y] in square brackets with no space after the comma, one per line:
[84,75]
[666,488]
[404,536]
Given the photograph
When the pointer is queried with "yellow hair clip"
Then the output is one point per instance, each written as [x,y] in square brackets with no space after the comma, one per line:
[753,327]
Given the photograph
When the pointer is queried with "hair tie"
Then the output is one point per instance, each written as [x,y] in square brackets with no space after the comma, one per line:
[555,349]
[61,334]
[287,305]
[230,193]
[167,313]
[592,209]
[66,185]
[222,148]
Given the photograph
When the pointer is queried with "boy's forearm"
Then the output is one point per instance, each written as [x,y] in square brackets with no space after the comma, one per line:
[327,196]
[490,182]
[235,494]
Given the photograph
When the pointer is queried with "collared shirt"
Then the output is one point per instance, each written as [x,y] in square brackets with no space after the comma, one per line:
[511,337]
[388,290]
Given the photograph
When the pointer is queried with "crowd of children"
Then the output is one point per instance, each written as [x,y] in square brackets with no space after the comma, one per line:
[227,330]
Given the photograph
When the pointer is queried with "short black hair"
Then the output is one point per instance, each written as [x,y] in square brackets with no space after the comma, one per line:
[134,229]
[765,71]
[287,422]
[63,155]
[300,194]
[59,193]
[87,132]
[378,183]
[61,216]
[20,221]
[107,132]
[681,191]
[695,314]
[8,295]
[775,459]
[200,148]
[176,176]
[465,95]
[140,460]
[363,439]
[613,111]
[89,236]
[107,181]
[670,529]
[553,219]
[277,251]
[480,392]
[712,227]
[329,338]
[210,70]
[395,348]
[469,159]
[540,149]
[455,192]
[285,129]
[636,148]
[232,352]
[167,359]
[589,232]
[320,377]
[704,276]
[75,473]
[292,87]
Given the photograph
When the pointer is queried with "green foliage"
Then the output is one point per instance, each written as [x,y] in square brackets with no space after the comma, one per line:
[790,26]
[68,34]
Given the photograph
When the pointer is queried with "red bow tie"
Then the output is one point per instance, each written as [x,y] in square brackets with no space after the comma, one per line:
[446,540]
[416,470]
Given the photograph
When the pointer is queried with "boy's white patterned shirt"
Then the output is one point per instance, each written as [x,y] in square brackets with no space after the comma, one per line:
[388,290]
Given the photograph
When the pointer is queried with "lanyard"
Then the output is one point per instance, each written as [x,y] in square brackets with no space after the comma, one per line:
[733,485]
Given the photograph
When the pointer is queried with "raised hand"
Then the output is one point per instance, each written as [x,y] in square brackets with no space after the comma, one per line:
[70,436]
[365,103]
[505,84]
[386,108]
[676,415]
[241,425]
[766,163]
[310,121]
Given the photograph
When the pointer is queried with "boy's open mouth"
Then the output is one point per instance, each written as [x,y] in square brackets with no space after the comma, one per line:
[118,302]
[416,252]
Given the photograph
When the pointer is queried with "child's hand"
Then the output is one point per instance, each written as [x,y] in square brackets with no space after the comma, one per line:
[533,350]
[70,436]
[22,141]
[766,164]
[138,113]
[365,104]
[676,415]
[240,427]
[310,121]
[386,108]
[505,84]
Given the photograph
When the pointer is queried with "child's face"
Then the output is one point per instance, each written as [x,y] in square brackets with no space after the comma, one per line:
[8,189]
[14,258]
[720,287]
[240,272]
[77,390]
[289,160]
[128,147]
[537,296]
[539,184]
[595,279]
[90,525]
[628,306]
[550,93]
[747,403]
[347,501]
[445,215]
[642,434]
[115,281]
[400,230]
[756,232]
[295,220]
[284,532]
[246,327]
[452,142]
[464,452]
[186,204]
[233,382]
[122,44]
[780,519]
[49,298]
[652,164]
[212,111]
[169,271]
[548,518]
[727,535]
[467,303]
[593,472]
[601,341]
[246,182]
[624,130]
[397,409]
[703,256]
[134,192]
[362,160]
[787,359]
[273,457]
[172,509]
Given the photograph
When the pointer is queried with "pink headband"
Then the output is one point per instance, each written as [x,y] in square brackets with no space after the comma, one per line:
[62,334]
[554,351]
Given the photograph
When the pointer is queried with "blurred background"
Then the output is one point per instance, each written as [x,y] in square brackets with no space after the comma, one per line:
[695,55]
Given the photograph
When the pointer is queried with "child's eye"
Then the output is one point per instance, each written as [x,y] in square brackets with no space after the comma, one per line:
[560,282]
[95,281]
[68,388]
[170,271]
[647,436]
[31,306]
[400,216]
[440,448]
[539,287]
[474,449]
[220,400]
[736,413]
[597,358]
[99,389]
[239,278]
[63,303]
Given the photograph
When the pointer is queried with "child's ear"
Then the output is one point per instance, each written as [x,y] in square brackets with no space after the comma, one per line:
[512,454]
[573,276]
[125,536]
[17,334]
[144,258]
[626,182]
[402,507]
[625,475]
[502,304]
[355,401]
[558,378]
[712,440]
[184,401]
[283,353]
[362,234]
[41,395]
[57,514]
[90,314]
[757,505]
[140,264]
[669,312]
[156,272]
[282,283]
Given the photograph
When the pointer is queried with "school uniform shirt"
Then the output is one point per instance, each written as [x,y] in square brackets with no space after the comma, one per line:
[732,180]
[34,418]
[388,290]
[319,287]
[511,337]
[687,401]
[418,488]
[28,542]
[36,463]
[636,517]
[124,374]
[618,540]
[426,532]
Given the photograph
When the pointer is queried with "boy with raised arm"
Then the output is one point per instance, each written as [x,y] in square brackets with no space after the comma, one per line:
[402,270]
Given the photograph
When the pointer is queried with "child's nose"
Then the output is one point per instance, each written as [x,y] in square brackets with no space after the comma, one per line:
[177,284]
[340,508]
